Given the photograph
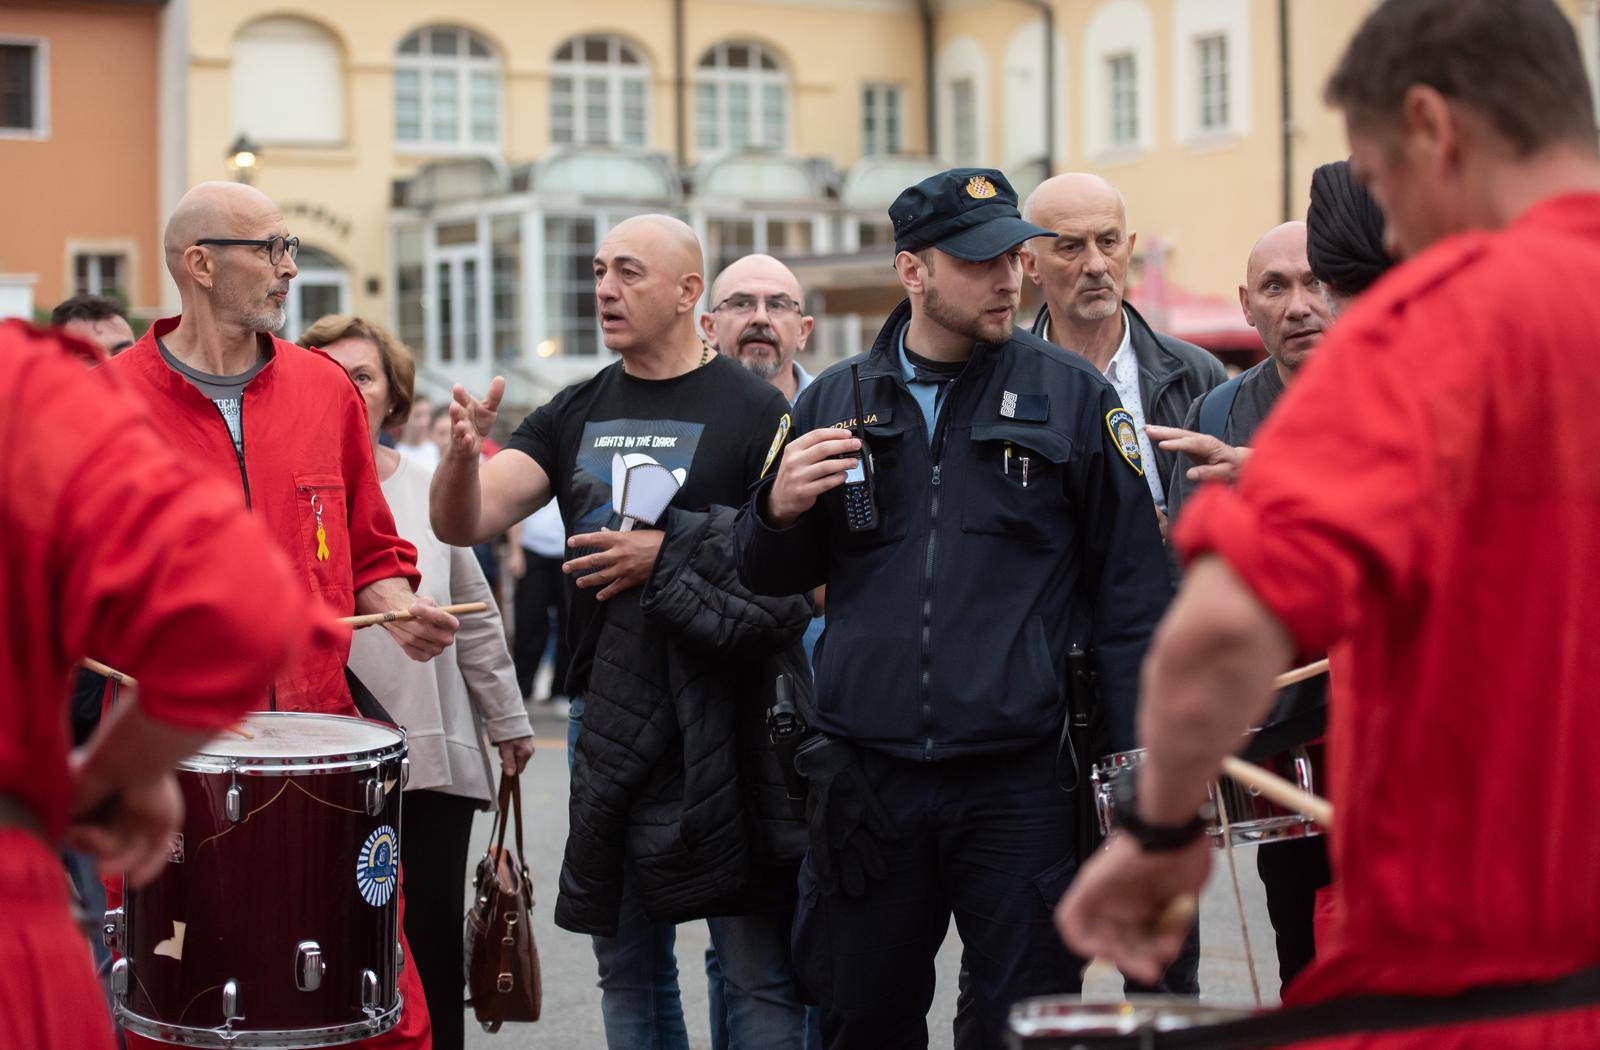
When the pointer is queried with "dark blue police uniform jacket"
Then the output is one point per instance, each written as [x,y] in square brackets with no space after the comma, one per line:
[948,625]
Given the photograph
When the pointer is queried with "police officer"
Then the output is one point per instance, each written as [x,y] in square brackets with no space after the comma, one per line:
[1012,523]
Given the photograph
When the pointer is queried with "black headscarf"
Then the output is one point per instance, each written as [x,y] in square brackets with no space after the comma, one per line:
[1344,231]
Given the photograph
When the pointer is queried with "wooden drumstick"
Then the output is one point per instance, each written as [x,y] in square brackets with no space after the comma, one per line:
[1279,790]
[1179,914]
[1300,674]
[110,672]
[358,622]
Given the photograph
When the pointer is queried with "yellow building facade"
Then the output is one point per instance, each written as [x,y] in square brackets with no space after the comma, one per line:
[450,167]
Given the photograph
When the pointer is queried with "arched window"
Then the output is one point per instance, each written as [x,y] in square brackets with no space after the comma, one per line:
[446,91]
[288,83]
[741,98]
[1119,79]
[599,93]
[322,287]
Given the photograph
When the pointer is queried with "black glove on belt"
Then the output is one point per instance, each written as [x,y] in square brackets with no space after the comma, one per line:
[844,817]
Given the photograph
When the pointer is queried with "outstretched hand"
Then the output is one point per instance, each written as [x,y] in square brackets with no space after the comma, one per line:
[620,560]
[472,419]
[1214,460]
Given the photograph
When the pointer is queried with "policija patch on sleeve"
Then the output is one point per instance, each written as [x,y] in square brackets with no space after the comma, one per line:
[777,444]
[1119,423]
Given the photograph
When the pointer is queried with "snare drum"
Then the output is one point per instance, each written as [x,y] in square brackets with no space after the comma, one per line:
[1065,1022]
[1251,818]
[276,920]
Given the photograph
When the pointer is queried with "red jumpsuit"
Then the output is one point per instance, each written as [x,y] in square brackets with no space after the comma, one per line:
[307,461]
[110,547]
[1428,493]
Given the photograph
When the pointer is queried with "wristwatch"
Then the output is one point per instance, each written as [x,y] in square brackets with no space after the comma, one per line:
[1152,838]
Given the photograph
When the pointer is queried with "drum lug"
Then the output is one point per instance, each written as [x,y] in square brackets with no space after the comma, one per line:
[374,797]
[369,990]
[119,978]
[399,957]
[230,1002]
[235,803]
[308,966]
[111,932]
[405,773]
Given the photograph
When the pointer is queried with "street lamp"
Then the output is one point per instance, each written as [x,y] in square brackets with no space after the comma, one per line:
[242,157]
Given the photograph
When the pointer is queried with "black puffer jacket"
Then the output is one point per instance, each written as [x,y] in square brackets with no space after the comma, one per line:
[673,769]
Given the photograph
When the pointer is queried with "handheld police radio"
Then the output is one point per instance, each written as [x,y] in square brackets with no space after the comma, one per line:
[860,489]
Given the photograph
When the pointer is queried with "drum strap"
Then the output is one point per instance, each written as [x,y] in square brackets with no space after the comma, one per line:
[1389,1013]
[1238,898]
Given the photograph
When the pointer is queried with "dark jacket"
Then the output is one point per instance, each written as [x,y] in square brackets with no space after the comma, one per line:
[1172,373]
[948,625]
[673,770]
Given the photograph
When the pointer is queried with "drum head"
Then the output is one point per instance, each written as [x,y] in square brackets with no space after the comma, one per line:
[294,738]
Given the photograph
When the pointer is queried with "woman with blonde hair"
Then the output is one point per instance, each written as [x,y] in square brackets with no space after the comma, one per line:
[439,703]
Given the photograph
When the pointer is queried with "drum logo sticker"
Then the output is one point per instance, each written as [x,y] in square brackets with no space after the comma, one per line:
[378,867]
[1119,421]
[777,444]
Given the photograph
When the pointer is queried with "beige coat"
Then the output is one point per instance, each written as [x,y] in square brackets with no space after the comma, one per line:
[442,702]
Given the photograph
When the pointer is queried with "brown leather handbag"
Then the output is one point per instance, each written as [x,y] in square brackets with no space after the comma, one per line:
[502,959]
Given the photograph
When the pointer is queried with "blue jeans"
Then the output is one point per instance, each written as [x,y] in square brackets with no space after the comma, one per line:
[754,996]
[639,999]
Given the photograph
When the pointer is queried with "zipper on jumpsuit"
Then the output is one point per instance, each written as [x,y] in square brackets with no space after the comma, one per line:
[244,480]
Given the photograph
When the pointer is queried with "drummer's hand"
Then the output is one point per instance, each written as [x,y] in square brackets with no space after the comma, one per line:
[514,754]
[427,633]
[134,832]
[620,560]
[1114,905]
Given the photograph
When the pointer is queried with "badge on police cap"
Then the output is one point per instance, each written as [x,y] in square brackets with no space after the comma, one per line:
[1119,422]
[980,188]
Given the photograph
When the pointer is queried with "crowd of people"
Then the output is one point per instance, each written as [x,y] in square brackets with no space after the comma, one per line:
[847,687]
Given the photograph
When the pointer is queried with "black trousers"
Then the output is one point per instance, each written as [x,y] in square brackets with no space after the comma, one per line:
[1292,872]
[537,593]
[986,840]
[433,848]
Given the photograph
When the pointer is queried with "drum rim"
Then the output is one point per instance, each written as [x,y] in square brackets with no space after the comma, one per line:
[1136,1012]
[214,762]
[248,1038]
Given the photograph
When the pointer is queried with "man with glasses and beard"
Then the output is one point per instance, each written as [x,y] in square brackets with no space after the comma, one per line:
[759,319]
[270,418]
[1012,526]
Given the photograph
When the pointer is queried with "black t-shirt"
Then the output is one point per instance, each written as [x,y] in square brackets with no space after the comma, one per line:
[716,427]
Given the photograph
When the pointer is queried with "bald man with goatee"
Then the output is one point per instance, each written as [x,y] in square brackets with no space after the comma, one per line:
[1083,273]
[677,810]
[285,427]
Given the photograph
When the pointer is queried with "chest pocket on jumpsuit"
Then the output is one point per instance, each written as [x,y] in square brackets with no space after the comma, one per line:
[324,535]
[1022,497]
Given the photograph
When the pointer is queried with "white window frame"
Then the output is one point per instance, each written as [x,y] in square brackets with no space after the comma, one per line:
[963,59]
[614,73]
[1211,86]
[1122,86]
[40,131]
[877,99]
[1119,27]
[424,64]
[314,275]
[1194,21]
[720,77]
[79,251]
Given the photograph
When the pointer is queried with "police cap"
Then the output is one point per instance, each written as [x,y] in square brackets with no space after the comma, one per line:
[970,213]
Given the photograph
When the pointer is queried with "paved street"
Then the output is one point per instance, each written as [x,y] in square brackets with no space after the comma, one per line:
[572,1002]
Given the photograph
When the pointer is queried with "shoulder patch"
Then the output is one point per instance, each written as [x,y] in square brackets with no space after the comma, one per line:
[1119,424]
[777,444]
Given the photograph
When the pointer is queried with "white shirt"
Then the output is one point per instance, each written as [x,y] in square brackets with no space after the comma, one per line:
[1123,371]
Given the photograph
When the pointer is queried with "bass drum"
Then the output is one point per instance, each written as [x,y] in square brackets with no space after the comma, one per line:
[275,923]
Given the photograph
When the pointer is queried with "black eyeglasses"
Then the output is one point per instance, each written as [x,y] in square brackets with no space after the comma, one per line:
[275,246]
[743,303]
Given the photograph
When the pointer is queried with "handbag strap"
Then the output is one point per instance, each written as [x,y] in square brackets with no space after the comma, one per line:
[501,818]
[516,809]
